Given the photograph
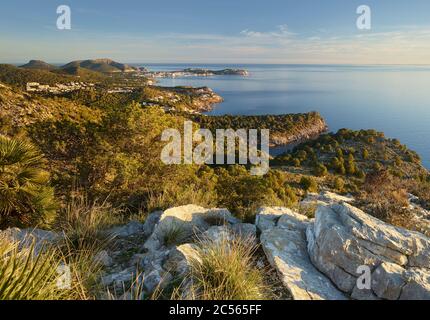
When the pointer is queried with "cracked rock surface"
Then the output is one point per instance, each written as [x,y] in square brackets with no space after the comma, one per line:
[343,238]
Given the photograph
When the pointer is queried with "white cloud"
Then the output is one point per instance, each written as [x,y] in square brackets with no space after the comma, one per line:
[281,32]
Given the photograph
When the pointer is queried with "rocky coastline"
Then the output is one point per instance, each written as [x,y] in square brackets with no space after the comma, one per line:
[302,134]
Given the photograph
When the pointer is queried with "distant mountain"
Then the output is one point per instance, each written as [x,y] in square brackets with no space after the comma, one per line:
[80,72]
[15,76]
[39,65]
[100,65]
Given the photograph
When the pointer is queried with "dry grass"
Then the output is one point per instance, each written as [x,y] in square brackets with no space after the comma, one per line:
[83,222]
[174,234]
[225,270]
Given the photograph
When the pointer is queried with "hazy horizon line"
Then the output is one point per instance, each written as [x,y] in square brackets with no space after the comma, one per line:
[225,63]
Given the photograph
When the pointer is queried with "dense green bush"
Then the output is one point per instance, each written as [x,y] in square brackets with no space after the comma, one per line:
[25,195]
[339,184]
[309,184]
[320,170]
[243,193]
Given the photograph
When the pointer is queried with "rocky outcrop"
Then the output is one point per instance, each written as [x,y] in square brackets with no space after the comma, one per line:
[323,198]
[343,253]
[181,223]
[283,239]
[344,238]
[308,132]
[168,249]
[326,258]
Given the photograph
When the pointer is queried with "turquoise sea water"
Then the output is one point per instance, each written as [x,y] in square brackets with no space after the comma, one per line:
[392,99]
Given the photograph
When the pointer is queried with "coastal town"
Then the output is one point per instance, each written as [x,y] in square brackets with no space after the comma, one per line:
[146,78]
[58,88]
[192,72]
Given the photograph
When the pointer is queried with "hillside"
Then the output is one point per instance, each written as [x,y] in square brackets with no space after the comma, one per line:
[19,110]
[100,65]
[39,65]
[82,73]
[354,153]
[87,165]
[382,173]
[15,76]
[284,129]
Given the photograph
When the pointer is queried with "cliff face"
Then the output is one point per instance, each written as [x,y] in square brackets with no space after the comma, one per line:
[309,130]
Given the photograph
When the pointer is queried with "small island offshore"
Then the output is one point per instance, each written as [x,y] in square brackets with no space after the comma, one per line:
[82,187]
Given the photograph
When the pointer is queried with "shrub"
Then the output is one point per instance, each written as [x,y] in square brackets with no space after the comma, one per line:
[377,166]
[302,155]
[242,193]
[413,157]
[398,161]
[339,184]
[25,195]
[350,165]
[360,174]
[296,162]
[385,198]
[337,164]
[365,154]
[339,153]
[309,184]
[320,170]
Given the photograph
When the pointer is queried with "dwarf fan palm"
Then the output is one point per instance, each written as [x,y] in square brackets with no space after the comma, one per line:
[25,195]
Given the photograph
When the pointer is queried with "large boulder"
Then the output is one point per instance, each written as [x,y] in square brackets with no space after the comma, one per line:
[343,238]
[283,240]
[181,223]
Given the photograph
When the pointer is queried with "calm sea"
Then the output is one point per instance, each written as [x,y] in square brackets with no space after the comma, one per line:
[392,99]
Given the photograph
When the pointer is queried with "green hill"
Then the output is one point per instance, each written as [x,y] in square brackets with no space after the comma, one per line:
[100,65]
[15,76]
[82,73]
[39,65]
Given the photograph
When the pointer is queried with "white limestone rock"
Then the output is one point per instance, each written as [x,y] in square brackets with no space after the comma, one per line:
[186,221]
[344,238]
[286,249]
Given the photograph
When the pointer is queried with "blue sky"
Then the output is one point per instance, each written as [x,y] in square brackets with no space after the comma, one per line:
[221,31]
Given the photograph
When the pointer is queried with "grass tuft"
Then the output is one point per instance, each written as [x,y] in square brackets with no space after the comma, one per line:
[225,270]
